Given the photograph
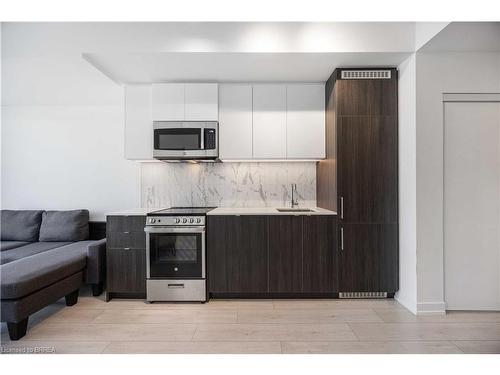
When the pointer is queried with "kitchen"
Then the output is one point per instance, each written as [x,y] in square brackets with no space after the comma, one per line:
[245,164]
[251,187]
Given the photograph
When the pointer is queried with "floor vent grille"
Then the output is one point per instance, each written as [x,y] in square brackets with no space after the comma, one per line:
[363,295]
[366,74]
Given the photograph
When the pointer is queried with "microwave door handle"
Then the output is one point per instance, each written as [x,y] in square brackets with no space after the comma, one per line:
[202,138]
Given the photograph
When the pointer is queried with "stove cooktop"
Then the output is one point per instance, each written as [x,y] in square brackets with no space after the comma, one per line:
[181,211]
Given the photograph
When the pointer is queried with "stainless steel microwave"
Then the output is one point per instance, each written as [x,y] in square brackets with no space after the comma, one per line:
[186,140]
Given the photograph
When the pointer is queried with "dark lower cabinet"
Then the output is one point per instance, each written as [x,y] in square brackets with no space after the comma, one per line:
[125,257]
[237,254]
[126,271]
[368,256]
[285,254]
[319,254]
[272,255]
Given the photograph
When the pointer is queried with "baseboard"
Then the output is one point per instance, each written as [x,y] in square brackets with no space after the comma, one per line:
[411,307]
[431,308]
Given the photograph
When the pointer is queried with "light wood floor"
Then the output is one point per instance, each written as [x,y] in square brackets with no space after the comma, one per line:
[254,326]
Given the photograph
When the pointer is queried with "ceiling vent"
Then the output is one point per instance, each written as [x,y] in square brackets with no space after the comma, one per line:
[366,74]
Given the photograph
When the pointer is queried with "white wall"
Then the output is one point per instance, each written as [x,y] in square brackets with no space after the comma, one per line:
[438,73]
[407,294]
[62,127]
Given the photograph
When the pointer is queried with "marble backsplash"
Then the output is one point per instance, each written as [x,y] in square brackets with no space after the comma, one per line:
[227,184]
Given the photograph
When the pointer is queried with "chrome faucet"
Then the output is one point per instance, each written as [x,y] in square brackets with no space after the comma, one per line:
[295,201]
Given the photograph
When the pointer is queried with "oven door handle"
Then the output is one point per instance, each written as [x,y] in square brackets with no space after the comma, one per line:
[174,229]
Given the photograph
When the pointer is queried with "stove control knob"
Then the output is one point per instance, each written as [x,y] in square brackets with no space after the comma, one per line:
[176,269]
[198,220]
[152,220]
[191,220]
[184,221]
[177,220]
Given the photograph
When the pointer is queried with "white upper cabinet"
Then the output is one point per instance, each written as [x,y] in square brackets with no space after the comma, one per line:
[168,102]
[201,102]
[235,121]
[185,102]
[305,121]
[138,124]
[269,121]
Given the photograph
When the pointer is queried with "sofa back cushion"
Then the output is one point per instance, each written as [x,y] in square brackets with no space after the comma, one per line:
[65,226]
[20,225]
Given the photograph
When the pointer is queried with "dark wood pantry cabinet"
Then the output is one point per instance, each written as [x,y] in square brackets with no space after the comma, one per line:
[125,256]
[359,178]
[272,255]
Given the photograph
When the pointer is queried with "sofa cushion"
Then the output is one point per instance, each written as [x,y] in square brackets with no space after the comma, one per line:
[7,245]
[65,226]
[20,225]
[28,250]
[27,275]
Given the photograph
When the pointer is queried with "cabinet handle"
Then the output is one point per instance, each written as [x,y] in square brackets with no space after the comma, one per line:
[126,248]
[342,238]
[127,232]
[341,207]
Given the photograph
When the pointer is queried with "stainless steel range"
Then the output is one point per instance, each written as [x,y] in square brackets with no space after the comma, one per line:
[176,254]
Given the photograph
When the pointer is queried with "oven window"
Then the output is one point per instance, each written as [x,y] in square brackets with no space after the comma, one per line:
[174,255]
[177,139]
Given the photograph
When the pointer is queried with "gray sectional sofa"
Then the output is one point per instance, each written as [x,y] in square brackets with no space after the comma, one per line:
[45,255]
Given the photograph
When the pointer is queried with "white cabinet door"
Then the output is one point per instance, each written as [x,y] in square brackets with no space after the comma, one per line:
[201,102]
[305,126]
[269,121]
[168,102]
[235,121]
[138,123]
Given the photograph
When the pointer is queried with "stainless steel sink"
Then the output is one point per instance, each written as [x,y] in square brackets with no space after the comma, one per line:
[295,210]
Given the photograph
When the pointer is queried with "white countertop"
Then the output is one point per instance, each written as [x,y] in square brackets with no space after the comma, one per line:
[133,211]
[231,211]
[267,211]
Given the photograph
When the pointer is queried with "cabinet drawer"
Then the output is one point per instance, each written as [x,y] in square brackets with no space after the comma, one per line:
[126,270]
[127,239]
[126,223]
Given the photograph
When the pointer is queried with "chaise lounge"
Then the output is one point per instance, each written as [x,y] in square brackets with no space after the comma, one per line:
[45,255]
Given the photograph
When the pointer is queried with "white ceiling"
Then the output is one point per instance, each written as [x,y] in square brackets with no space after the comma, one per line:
[233,67]
[55,38]
[239,51]
[228,51]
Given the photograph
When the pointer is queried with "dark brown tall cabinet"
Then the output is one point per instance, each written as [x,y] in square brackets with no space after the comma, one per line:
[359,178]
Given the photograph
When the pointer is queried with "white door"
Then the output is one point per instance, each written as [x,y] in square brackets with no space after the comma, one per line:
[138,123]
[201,102]
[269,121]
[235,121]
[168,101]
[305,121]
[472,205]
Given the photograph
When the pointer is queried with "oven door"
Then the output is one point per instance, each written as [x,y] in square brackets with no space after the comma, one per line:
[175,252]
[185,140]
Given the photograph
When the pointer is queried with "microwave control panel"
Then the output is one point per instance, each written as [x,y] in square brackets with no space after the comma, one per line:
[209,139]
